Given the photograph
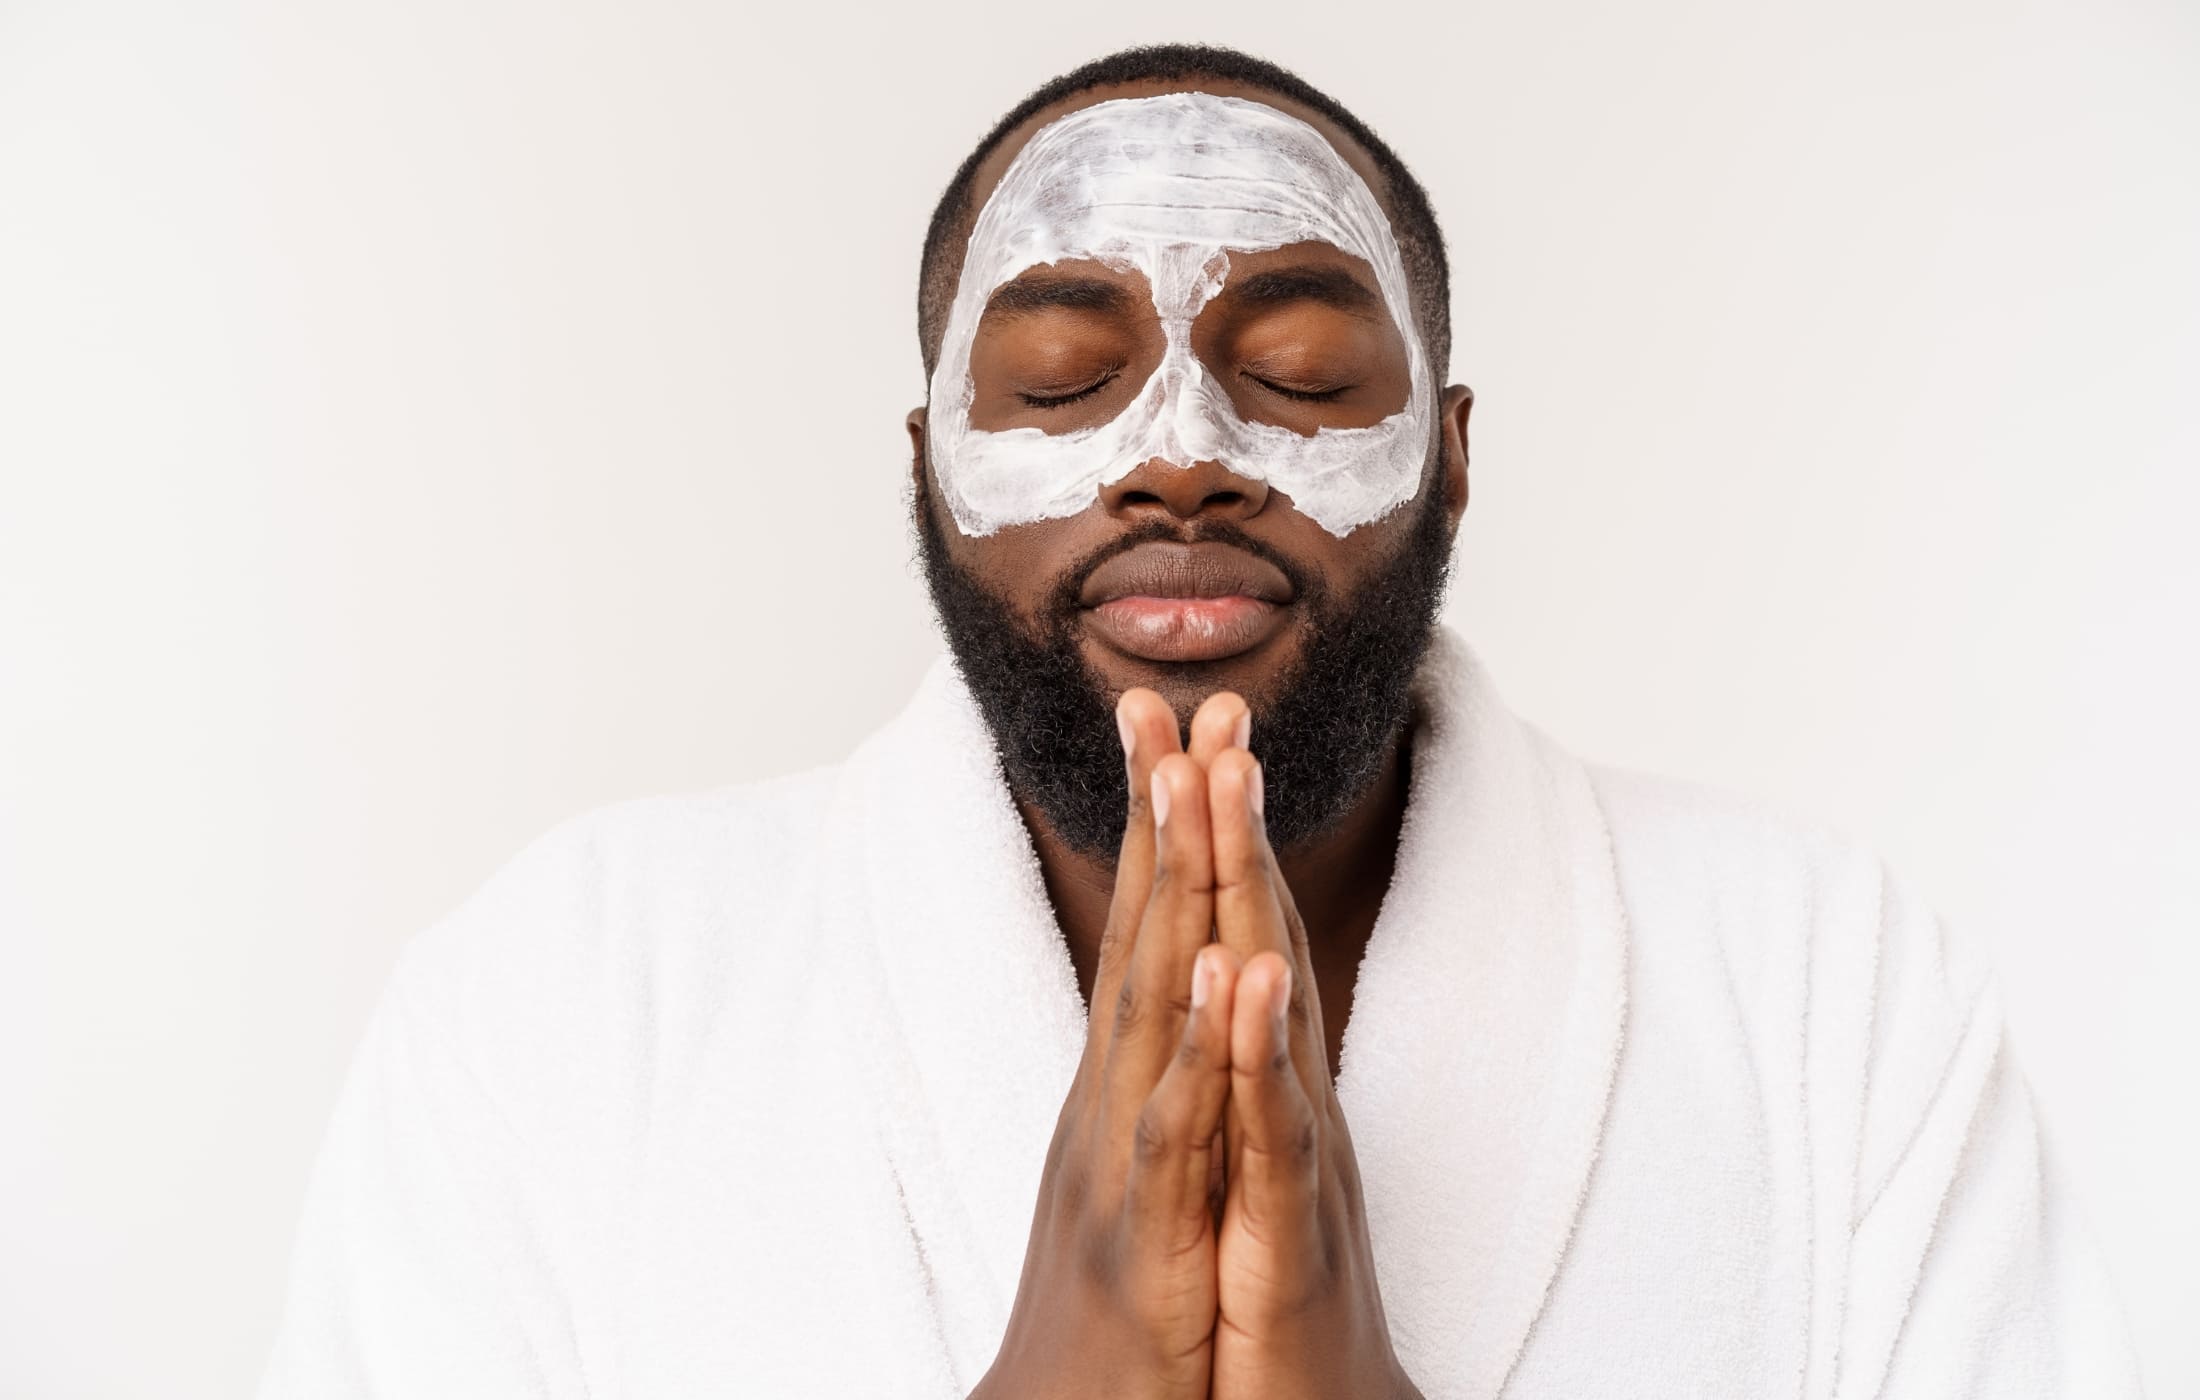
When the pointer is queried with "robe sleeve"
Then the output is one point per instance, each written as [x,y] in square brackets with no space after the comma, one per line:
[1971,1272]
[426,1262]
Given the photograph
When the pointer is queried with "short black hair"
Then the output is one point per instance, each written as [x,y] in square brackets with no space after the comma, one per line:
[1413,220]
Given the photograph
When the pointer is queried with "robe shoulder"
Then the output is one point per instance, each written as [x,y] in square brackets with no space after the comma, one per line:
[1809,928]
[1898,1142]
[624,928]
[466,1225]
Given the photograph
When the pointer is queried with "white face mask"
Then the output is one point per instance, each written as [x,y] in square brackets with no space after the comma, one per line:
[1167,186]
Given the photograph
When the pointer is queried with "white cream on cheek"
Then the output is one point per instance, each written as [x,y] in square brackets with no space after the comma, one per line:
[1168,186]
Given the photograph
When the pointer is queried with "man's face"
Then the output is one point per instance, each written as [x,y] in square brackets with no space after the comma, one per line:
[1298,339]
[1195,576]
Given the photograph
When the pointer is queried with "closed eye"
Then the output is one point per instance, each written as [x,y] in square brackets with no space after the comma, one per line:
[1057,400]
[1303,395]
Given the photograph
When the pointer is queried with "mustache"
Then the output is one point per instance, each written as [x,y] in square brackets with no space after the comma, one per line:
[1064,594]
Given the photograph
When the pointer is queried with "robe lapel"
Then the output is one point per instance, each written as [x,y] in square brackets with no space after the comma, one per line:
[986,1023]
[1478,1064]
[1476,1068]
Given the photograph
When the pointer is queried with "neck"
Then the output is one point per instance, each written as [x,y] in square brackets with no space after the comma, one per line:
[1337,880]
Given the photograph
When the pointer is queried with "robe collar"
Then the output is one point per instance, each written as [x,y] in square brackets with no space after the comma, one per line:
[1476,1069]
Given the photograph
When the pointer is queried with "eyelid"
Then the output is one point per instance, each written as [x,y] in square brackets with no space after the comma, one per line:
[1057,400]
[1303,395]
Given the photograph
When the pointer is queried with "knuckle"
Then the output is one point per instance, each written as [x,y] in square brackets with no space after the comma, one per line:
[1151,1139]
[1173,882]
[1135,1009]
[1304,1142]
[1098,1261]
[1324,1281]
[1073,1187]
[1254,876]
[1348,1187]
[1335,1271]
[1115,941]
[1130,1010]
[1294,1147]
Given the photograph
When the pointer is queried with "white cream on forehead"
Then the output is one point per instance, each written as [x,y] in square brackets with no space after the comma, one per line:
[1167,186]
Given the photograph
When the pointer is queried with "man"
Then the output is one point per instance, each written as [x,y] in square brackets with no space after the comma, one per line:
[1423,1058]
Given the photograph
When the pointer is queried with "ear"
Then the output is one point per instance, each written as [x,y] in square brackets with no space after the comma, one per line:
[1458,403]
[915,423]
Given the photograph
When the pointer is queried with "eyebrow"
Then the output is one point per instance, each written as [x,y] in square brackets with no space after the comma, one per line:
[1024,296]
[1332,286]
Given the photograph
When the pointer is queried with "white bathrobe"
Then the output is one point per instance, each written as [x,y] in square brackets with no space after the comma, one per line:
[747,1093]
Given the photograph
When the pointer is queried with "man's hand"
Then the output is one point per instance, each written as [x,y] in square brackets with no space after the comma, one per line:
[1198,1230]
[1118,1293]
[1299,1313]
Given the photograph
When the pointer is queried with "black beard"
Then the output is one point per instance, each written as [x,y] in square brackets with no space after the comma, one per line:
[1322,732]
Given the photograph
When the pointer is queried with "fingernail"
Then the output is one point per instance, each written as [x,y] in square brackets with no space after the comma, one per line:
[1245,729]
[1280,996]
[1202,976]
[1255,791]
[1123,727]
[1160,800]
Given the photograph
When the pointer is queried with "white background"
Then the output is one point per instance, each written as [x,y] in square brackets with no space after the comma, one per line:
[421,421]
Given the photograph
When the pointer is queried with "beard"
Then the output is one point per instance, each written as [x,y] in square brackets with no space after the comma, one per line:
[1322,730]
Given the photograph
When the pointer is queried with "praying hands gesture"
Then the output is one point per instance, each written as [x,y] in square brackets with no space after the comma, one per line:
[1198,1230]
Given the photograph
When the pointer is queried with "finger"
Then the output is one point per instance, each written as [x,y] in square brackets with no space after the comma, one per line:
[1275,1166]
[1248,913]
[1168,1185]
[1223,720]
[1252,909]
[1180,914]
[1148,728]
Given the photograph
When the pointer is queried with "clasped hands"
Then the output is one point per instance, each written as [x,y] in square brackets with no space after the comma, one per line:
[1199,1230]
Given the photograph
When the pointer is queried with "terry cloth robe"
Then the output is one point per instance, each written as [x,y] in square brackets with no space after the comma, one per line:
[747,1093]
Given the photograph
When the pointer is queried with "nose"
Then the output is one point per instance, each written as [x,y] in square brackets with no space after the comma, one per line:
[1157,486]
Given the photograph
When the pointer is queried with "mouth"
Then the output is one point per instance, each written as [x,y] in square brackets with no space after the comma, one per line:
[1185,602]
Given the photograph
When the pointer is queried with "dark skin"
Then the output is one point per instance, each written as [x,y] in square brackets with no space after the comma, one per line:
[1199,1230]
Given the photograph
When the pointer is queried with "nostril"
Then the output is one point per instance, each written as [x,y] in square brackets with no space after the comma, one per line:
[1225,498]
[1139,498]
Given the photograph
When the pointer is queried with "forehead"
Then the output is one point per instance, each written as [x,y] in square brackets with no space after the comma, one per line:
[990,171]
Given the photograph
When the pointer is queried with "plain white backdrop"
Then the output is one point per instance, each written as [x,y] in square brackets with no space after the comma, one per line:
[421,421]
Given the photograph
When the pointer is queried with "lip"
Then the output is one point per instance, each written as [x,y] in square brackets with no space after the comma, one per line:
[1185,602]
